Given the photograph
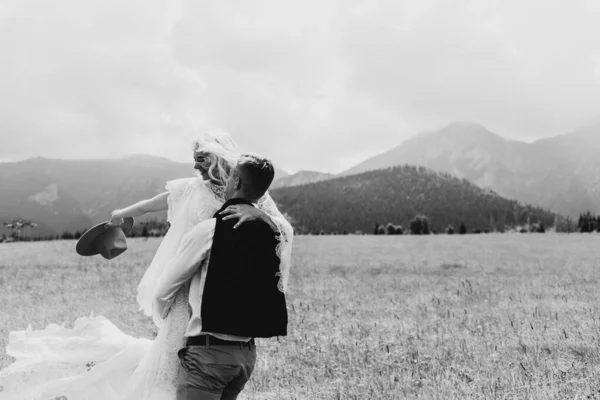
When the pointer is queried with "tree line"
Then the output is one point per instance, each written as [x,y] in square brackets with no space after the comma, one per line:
[151,228]
[419,225]
[588,223]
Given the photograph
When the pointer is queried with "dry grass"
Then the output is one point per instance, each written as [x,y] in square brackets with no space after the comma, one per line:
[439,317]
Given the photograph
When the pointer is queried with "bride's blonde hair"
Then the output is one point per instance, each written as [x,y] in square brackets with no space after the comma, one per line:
[220,152]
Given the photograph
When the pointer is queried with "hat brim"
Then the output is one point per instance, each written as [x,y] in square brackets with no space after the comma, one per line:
[84,246]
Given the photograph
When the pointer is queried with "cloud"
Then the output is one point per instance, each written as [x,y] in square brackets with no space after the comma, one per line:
[522,69]
[84,81]
[313,84]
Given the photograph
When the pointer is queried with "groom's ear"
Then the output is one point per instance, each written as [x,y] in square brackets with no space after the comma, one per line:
[237,184]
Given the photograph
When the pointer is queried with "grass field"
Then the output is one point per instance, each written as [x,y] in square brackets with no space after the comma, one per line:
[438,317]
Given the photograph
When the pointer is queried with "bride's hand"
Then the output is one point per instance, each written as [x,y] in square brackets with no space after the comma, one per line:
[116,218]
[243,212]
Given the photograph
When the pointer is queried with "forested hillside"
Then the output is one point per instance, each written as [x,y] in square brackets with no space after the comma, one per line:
[358,202]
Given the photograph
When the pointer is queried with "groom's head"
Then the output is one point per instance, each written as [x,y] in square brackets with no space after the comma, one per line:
[250,178]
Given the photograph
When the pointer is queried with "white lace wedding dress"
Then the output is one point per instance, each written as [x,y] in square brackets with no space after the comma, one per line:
[95,360]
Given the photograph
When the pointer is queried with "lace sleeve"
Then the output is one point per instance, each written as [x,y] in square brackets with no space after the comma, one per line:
[286,237]
[177,190]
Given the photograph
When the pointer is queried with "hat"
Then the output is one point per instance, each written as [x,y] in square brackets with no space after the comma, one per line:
[105,239]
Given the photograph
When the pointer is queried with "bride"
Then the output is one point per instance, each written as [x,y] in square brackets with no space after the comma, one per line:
[95,360]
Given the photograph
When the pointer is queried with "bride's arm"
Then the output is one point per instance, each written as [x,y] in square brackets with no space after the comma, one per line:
[157,203]
[246,212]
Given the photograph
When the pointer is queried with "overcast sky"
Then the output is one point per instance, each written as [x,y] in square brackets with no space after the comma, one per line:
[314,84]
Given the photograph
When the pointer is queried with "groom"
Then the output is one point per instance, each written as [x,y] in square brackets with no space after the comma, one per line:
[233,292]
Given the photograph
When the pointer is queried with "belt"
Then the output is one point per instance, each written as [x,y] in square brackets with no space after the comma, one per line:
[207,340]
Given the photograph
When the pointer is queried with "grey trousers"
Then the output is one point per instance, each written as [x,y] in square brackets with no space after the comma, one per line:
[214,372]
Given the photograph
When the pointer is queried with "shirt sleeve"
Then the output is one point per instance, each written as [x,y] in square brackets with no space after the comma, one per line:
[193,250]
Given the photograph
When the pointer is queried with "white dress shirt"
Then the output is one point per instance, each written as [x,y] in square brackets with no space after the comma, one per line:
[190,262]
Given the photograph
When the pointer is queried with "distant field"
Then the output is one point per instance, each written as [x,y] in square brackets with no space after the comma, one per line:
[436,317]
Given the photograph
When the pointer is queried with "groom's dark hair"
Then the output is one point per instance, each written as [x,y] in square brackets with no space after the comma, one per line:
[257,174]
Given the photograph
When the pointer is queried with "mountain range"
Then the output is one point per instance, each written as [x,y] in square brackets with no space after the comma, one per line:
[71,195]
[560,173]
[301,178]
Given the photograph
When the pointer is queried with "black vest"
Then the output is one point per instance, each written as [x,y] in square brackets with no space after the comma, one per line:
[240,293]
